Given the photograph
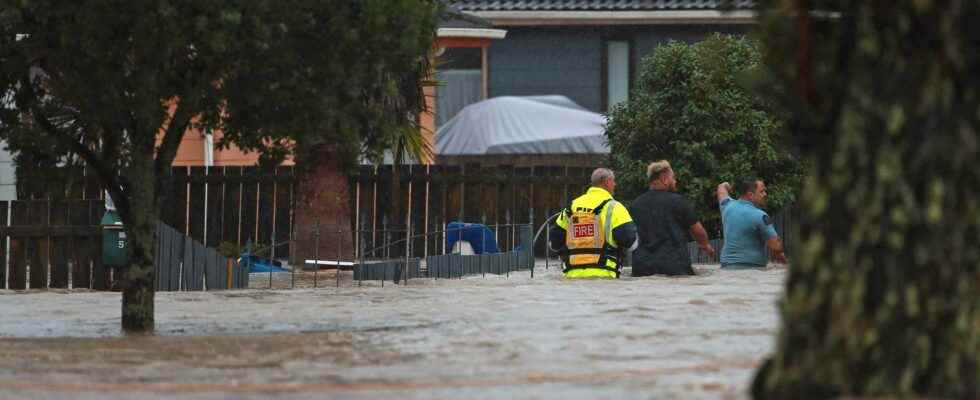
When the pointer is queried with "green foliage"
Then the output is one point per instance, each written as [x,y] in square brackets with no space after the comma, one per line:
[117,83]
[692,107]
[885,100]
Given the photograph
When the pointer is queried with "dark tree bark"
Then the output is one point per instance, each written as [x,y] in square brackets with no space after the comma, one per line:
[883,294]
[139,217]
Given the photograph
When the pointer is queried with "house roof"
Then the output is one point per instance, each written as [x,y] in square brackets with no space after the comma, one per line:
[597,5]
[454,17]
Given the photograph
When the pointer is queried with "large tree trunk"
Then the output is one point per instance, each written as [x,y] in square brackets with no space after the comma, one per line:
[139,213]
[323,203]
[883,294]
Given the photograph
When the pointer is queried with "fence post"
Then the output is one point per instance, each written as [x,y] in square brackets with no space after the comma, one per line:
[408,241]
[340,250]
[316,252]
[360,261]
[530,242]
[483,238]
[384,237]
[530,256]
[547,244]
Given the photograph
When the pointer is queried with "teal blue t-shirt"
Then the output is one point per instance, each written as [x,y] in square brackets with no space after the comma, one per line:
[746,230]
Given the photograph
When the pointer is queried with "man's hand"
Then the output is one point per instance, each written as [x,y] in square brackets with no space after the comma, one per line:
[723,191]
[776,247]
[708,249]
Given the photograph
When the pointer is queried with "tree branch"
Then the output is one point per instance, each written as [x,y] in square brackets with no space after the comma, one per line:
[104,172]
[176,128]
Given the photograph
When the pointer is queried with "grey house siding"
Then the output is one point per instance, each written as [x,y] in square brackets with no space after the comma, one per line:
[8,181]
[534,61]
[569,60]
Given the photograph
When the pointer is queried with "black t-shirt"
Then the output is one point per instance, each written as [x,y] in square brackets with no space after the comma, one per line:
[663,222]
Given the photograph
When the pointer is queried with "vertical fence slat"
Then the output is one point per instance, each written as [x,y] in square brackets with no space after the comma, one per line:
[160,272]
[81,266]
[212,275]
[59,262]
[197,205]
[58,216]
[181,189]
[187,265]
[231,206]
[4,207]
[176,258]
[266,210]
[100,274]
[213,230]
[284,205]
[249,205]
[18,264]
[200,263]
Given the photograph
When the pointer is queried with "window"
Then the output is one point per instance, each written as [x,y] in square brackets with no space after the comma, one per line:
[617,72]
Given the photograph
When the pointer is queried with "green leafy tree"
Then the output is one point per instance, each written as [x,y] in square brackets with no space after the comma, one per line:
[882,300]
[692,106]
[117,83]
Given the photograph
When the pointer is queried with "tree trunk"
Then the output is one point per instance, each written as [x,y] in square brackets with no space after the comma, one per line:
[323,201]
[883,294]
[139,213]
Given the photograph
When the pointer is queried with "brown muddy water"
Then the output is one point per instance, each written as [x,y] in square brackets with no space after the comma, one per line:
[479,338]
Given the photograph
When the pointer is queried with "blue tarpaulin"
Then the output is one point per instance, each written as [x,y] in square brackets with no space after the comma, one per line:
[480,236]
[259,264]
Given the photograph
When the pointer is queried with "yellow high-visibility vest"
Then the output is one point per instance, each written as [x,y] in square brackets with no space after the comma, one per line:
[592,251]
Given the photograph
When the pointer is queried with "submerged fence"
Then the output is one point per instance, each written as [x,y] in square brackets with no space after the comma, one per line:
[394,261]
[58,244]
[185,264]
[52,244]
[397,214]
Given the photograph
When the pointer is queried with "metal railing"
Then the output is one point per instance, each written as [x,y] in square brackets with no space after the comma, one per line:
[398,257]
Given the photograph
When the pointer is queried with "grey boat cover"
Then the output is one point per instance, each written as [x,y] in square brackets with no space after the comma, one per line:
[523,125]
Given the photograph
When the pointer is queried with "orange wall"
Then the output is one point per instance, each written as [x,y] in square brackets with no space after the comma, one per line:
[191,152]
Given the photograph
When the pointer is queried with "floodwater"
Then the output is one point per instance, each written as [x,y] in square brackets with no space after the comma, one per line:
[475,338]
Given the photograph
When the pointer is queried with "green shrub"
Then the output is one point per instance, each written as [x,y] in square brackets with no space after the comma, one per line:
[692,106]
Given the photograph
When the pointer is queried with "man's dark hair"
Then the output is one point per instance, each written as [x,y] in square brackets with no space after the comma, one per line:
[748,185]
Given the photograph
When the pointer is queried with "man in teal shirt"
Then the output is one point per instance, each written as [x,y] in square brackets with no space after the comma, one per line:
[747,229]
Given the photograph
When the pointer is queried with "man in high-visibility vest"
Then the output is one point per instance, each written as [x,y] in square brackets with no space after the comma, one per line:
[592,234]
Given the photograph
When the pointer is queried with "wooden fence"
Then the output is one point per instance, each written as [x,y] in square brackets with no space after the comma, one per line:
[431,196]
[185,264]
[52,244]
[238,205]
[58,244]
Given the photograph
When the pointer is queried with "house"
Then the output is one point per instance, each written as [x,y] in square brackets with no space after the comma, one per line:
[586,50]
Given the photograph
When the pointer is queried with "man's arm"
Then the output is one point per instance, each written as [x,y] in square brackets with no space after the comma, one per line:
[701,236]
[776,247]
[556,236]
[625,236]
[772,239]
[723,192]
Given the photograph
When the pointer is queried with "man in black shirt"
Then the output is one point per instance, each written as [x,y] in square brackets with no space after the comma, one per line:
[665,221]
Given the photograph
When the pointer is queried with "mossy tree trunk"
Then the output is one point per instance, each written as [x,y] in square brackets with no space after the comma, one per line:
[139,212]
[883,294]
